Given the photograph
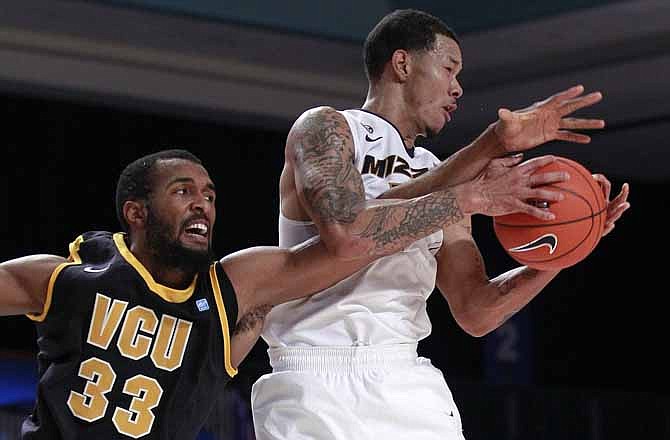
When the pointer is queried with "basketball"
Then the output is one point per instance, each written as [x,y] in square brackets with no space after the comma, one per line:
[570,236]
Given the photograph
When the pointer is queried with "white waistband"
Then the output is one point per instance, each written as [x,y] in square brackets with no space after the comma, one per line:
[341,359]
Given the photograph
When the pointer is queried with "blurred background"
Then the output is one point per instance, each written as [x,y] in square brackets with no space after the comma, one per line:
[88,86]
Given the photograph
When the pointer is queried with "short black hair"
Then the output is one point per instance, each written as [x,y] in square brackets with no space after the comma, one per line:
[135,180]
[407,29]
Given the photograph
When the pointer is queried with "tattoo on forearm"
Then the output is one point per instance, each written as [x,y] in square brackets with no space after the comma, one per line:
[428,214]
[252,319]
[331,187]
[512,282]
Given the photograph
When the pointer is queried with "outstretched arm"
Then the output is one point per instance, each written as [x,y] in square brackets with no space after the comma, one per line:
[320,159]
[266,276]
[514,132]
[24,282]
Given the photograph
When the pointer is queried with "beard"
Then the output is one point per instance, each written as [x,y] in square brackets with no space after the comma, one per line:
[170,252]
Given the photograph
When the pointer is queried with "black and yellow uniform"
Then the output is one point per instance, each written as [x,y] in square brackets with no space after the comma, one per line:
[122,356]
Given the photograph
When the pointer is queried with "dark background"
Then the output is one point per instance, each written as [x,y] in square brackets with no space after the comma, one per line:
[87,87]
[600,326]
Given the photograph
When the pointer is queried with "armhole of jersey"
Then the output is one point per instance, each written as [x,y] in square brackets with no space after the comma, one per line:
[74,258]
[227,308]
[351,122]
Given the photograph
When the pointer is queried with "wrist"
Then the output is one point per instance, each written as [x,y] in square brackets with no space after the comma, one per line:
[465,197]
[496,141]
[492,142]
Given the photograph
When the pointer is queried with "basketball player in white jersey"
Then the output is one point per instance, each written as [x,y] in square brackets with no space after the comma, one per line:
[344,361]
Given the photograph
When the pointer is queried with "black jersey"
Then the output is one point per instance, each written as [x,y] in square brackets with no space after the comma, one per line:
[121,356]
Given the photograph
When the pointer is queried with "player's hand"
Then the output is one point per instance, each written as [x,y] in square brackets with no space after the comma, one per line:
[507,186]
[547,120]
[615,207]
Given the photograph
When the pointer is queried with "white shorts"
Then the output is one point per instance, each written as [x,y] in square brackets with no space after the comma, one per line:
[345,393]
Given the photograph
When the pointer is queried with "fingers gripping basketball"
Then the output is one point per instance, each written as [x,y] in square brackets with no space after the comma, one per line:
[565,240]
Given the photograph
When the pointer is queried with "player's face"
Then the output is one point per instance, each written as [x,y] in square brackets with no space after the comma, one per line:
[433,87]
[181,213]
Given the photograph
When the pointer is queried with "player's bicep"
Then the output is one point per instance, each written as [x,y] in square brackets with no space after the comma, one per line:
[24,283]
[321,150]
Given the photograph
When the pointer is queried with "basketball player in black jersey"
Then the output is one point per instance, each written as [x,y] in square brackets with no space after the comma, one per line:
[138,332]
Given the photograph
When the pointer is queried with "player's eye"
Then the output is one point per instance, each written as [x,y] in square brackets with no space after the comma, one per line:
[181,191]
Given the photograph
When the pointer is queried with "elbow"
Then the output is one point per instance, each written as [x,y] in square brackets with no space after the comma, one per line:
[476,331]
[351,249]
[473,327]
[344,245]
[473,320]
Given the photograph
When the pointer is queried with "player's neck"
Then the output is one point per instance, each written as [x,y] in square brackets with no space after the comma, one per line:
[389,105]
[173,277]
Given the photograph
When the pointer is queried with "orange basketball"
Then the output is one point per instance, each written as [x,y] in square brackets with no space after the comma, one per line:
[568,238]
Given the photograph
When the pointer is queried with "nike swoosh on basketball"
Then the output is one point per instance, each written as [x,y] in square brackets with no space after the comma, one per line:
[91,269]
[369,139]
[549,240]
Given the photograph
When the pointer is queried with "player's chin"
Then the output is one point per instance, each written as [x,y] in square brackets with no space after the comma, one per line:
[433,130]
[195,242]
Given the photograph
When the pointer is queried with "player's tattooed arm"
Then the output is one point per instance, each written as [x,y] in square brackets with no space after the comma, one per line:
[323,155]
[389,224]
[505,285]
[320,150]
[478,303]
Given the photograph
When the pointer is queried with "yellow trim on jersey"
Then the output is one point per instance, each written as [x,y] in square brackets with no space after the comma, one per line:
[224,320]
[167,293]
[74,258]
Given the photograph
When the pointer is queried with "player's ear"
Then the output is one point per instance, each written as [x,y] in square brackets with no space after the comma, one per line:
[135,213]
[401,64]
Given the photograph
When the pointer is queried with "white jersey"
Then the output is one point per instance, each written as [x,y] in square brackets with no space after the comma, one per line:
[384,303]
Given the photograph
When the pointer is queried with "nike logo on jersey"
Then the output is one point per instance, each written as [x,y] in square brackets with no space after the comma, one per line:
[91,269]
[370,130]
[390,165]
[549,240]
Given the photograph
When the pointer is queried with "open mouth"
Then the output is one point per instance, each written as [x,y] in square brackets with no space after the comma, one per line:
[197,230]
[447,113]
[450,109]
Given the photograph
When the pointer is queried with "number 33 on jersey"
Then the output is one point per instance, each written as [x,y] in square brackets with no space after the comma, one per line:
[135,355]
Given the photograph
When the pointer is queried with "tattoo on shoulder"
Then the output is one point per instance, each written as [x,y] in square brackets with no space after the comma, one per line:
[252,319]
[324,151]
